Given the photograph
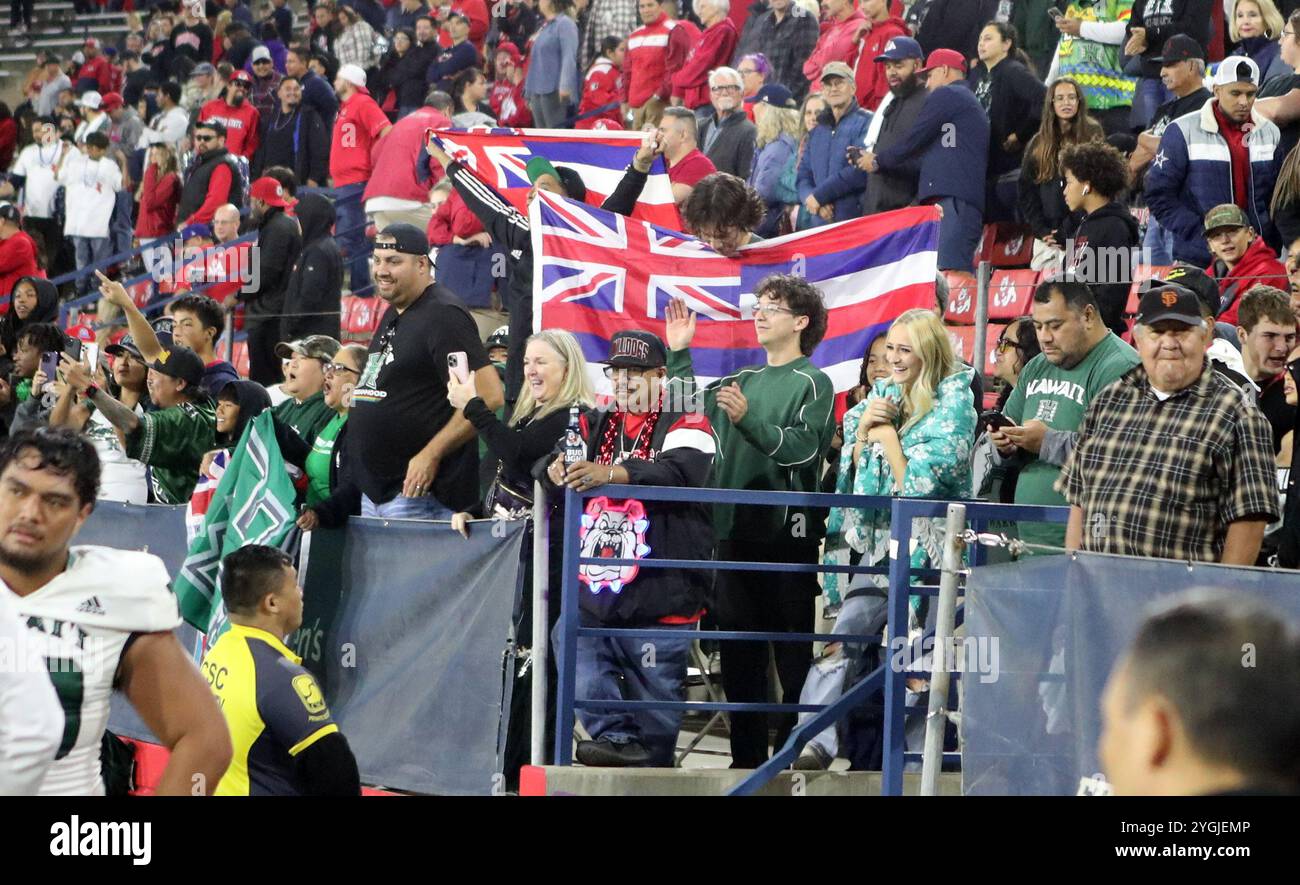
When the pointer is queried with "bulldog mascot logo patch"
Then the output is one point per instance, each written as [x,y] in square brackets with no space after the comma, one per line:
[612,530]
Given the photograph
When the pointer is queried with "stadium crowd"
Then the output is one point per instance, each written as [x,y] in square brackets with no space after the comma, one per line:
[253,134]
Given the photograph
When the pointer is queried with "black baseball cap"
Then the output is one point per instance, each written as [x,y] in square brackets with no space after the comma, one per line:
[182,363]
[403,237]
[636,349]
[9,212]
[1199,282]
[1169,302]
[1180,47]
[126,346]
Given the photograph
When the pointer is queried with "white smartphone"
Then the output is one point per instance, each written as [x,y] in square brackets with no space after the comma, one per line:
[458,366]
[90,351]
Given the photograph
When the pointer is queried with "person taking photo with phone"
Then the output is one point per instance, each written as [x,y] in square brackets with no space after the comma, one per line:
[412,454]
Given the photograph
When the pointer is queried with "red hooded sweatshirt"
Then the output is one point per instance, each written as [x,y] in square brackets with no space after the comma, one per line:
[869,73]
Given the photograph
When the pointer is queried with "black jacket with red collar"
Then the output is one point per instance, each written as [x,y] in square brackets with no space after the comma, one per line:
[681,450]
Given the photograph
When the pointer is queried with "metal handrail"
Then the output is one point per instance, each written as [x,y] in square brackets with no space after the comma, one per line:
[902,512]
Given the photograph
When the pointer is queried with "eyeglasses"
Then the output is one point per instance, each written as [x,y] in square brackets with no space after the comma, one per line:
[744,71]
[768,310]
[205,138]
[1005,344]
[331,368]
[724,88]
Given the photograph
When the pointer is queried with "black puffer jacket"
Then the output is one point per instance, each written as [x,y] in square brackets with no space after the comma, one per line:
[311,299]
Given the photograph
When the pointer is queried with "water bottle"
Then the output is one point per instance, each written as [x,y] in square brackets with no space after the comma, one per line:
[574,449]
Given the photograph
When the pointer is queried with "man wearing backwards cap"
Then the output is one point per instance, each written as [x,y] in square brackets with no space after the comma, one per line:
[279,241]
[1223,153]
[951,136]
[241,119]
[641,441]
[413,453]
[172,440]
[1171,461]
[359,125]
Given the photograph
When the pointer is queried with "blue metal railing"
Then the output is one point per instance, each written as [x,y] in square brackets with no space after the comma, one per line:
[900,571]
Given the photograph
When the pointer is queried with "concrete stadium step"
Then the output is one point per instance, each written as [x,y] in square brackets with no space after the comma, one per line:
[555,780]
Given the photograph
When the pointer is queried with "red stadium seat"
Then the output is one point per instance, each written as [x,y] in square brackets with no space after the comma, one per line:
[1007,245]
[961,299]
[963,343]
[1143,273]
[141,292]
[351,327]
[1010,293]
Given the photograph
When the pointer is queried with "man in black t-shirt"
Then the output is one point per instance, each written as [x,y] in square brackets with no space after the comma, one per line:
[409,449]
[1182,70]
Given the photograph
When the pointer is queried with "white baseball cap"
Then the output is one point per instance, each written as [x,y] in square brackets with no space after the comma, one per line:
[91,99]
[1236,69]
[261,53]
[353,74]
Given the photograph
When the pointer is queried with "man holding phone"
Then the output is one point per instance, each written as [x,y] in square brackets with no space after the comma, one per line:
[1080,357]
[411,457]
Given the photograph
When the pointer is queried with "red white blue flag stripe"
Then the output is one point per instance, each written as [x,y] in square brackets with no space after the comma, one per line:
[596,273]
[499,157]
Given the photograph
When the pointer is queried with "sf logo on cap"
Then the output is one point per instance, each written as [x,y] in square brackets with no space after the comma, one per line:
[1168,299]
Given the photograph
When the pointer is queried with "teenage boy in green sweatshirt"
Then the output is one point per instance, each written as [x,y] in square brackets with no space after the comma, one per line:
[774,423]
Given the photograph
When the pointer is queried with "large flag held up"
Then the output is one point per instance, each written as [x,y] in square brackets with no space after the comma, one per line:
[499,156]
[596,273]
[253,504]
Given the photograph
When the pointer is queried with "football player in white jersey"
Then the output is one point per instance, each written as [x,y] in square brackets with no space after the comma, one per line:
[102,619]
[31,719]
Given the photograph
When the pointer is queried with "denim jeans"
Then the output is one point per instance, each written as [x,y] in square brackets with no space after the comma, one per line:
[1159,241]
[90,251]
[627,668]
[120,230]
[861,615]
[401,507]
[350,227]
[1149,94]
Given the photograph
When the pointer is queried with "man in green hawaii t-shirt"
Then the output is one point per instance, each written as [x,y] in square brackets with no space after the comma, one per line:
[1080,357]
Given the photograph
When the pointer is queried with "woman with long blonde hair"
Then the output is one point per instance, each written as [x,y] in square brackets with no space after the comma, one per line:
[1065,122]
[775,147]
[912,437]
[555,379]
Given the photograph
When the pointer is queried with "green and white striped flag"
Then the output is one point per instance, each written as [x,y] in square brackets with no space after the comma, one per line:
[253,504]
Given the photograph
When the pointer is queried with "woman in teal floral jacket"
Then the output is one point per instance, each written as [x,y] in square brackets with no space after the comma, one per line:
[911,436]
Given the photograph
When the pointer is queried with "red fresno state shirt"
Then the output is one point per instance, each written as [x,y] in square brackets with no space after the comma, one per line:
[241,125]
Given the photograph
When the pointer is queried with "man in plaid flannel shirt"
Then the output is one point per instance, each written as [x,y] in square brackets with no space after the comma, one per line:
[1172,461]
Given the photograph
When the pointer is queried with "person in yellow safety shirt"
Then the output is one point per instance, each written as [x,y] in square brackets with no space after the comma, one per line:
[286,743]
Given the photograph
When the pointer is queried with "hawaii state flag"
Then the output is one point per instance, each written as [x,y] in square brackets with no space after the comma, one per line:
[596,273]
[498,156]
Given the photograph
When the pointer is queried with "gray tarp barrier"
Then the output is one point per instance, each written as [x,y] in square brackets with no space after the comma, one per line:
[1058,624]
[405,623]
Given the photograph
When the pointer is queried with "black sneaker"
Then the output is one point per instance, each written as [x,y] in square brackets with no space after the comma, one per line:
[605,753]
